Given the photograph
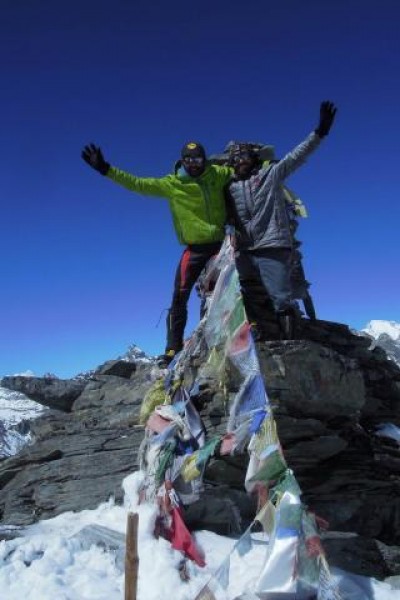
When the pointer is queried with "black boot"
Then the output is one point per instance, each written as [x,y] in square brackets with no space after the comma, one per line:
[176,321]
[165,359]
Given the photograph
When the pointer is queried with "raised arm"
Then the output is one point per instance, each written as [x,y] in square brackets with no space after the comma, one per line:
[148,186]
[294,159]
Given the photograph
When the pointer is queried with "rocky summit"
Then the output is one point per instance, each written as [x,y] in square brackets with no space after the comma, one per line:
[330,393]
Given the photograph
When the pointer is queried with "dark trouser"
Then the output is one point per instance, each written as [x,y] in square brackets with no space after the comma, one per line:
[300,285]
[193,260]
[271,267]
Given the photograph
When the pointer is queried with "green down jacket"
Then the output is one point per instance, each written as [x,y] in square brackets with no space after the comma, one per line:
[197,205]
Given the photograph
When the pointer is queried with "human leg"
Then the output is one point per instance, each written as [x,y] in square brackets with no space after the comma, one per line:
[192,262]
[275,269]
[274,266]
[255,297]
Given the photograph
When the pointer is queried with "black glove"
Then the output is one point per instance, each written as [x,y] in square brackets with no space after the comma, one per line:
[94,157]
[327,114]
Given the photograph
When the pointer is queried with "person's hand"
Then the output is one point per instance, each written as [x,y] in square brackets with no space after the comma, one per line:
[327,114]
[94,157]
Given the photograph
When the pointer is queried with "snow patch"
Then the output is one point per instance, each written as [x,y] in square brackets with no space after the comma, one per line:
[50,561]
[15,410]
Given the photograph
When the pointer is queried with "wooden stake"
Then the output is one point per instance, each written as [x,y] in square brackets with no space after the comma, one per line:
[131,557]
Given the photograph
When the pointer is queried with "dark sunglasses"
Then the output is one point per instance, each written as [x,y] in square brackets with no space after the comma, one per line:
[193,160]
[243,156]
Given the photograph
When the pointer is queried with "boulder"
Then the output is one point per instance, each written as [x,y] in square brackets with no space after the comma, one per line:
[79,459]
[54,393]
[120,368]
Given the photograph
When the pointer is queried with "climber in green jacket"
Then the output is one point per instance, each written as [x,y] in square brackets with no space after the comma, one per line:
[195,192]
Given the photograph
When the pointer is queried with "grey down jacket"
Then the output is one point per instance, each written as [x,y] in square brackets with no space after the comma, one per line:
[257,205]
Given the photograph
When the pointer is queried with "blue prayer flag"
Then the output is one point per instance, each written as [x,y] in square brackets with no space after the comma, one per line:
[245,544]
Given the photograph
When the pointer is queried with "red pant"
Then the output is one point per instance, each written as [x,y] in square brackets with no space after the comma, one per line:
[193,260]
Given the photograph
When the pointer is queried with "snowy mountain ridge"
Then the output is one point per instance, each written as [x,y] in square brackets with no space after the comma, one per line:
[386,335]
[16,410]
[379,327]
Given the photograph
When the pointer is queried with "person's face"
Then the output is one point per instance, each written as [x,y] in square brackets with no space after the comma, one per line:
[243,163]
[194,165]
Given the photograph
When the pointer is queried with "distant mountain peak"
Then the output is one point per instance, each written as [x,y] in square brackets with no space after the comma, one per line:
[135,354]
[386,335]
[376,327]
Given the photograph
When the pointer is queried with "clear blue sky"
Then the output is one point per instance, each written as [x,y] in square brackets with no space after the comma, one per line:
[86,266]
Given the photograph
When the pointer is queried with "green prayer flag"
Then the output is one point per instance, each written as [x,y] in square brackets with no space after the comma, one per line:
[271,468]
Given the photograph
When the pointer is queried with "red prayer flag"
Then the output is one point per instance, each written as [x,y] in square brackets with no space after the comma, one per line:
[182,540]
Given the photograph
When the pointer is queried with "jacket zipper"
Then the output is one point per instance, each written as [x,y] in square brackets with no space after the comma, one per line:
[204,190]
[248,202]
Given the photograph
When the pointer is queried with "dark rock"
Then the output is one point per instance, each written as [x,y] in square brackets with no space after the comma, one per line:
[106,391]
[228,470]
[312,452]
[364,556]
[120,368]
[328,391]
[293,429]
[313,381]
[79,459]
[10,532]
[54,393]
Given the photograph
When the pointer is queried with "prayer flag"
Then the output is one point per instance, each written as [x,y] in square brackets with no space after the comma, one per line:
[182,540]
[245,544]
[222,574]
[266,517]
[205,594]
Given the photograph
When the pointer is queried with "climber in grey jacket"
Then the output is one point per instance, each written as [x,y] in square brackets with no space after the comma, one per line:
[257,208]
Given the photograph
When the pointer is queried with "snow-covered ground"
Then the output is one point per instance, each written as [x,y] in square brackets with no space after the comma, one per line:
[51,561]
[15,410]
